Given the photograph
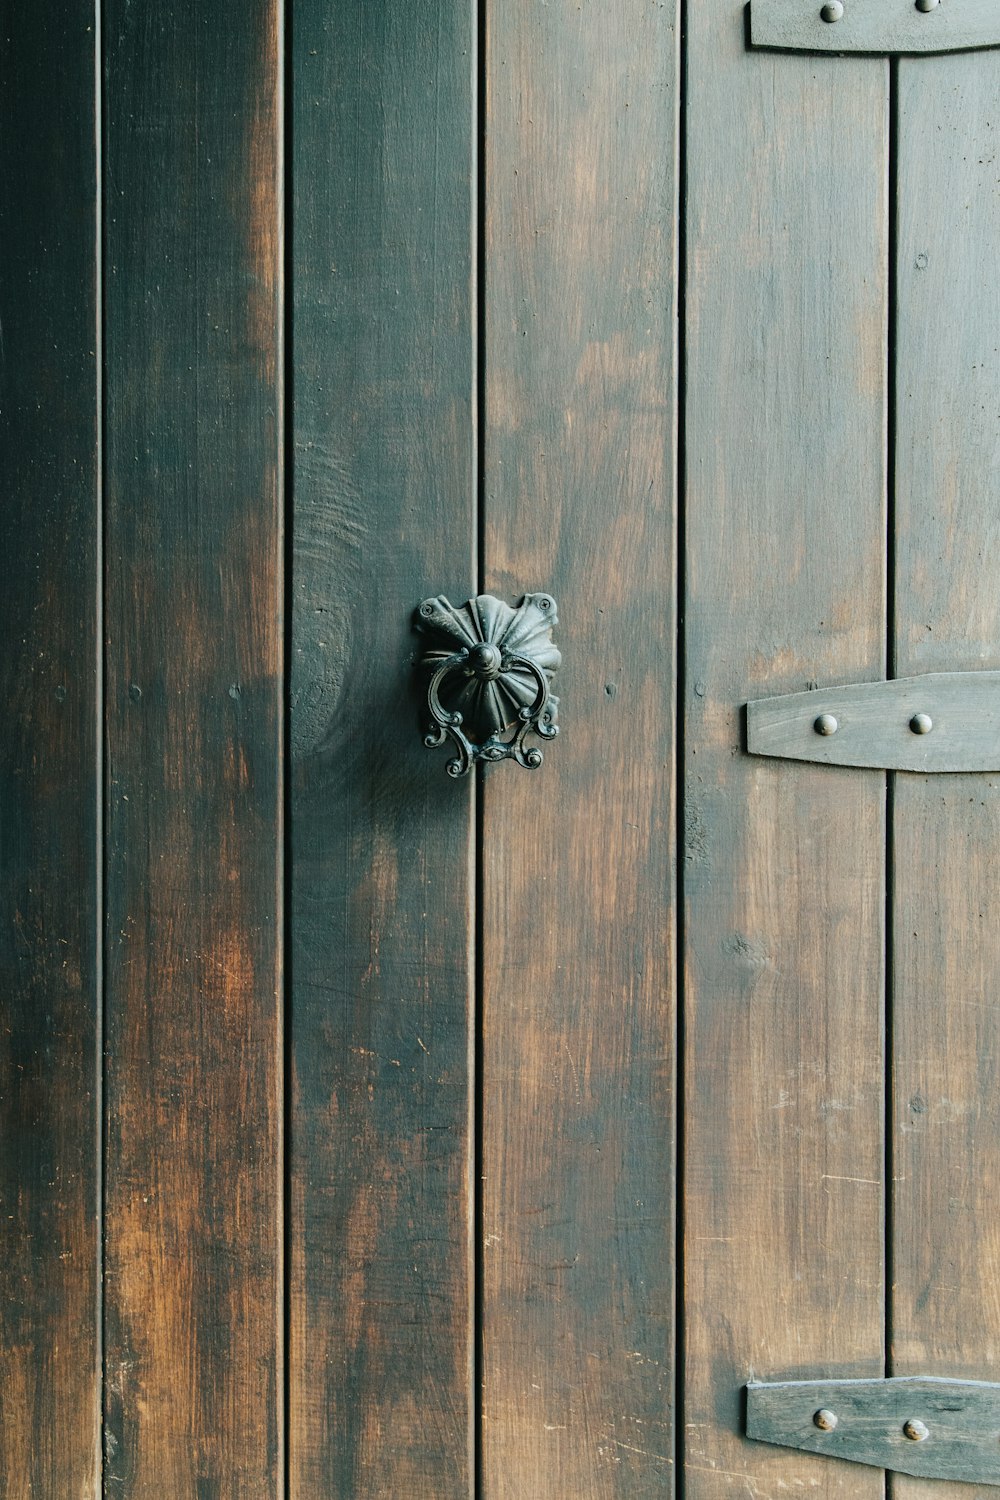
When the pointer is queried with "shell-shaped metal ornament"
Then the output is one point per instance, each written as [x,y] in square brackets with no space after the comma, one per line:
[490,668]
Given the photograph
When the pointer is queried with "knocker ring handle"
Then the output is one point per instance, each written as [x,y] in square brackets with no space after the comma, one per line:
[489,667]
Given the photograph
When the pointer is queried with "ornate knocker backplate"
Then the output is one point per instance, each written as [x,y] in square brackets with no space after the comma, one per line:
[490,670]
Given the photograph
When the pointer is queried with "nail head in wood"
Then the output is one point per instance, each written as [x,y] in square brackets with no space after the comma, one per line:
[915,1430]
[826,724]
[921,723]
[833,10]
[825,1419]
[926,5]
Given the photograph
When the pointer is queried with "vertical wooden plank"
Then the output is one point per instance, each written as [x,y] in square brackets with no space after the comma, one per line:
[382,890]
[946,1121]
[578,919]
[49,527]
[784,864]
[194,684]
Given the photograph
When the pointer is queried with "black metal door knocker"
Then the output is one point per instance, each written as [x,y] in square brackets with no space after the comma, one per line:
[490,669]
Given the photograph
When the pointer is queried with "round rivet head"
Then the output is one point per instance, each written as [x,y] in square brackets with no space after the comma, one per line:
[926,5]
[485,661]
[825,1419]
[921,723]
[832,11]
[826,724]
[915,1430]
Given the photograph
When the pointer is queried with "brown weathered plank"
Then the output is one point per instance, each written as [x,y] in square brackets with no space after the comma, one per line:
[382,888]
[784,872]
[578,920]
[49,1058]
[194,670]
[946,833]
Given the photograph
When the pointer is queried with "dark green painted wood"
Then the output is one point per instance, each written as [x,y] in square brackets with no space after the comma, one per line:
[945,1316]
[937,722]
[578,857]
[786,313]
[194,674]
[49,1060]
[931,1428]
[384,515]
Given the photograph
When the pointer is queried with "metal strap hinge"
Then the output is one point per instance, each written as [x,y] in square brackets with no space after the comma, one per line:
[879,26]
[936,1429]
[944,721]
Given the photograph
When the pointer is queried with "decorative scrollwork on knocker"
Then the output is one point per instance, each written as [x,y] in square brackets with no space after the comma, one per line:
[490,669]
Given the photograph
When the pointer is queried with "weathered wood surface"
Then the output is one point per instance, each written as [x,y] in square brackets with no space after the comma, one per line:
[49,1058]
[913,1425]
[881,26]
[194,674]
[946,837]
[578,918]
[936,722]
[381,1340]
[787,243]
[786,315]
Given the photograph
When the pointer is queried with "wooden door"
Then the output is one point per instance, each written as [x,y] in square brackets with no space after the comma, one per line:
[367,1132]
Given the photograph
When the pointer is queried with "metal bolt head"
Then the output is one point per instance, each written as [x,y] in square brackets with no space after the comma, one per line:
[826,724]
[825,1419]
[833,10]
[921,723]
[915,1430]
[926,5]
[485,661]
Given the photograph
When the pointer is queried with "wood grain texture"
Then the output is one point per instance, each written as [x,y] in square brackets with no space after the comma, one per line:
[382,884]
[578,919]
[946,833]
[194,677]
[784,875]
[49,1060]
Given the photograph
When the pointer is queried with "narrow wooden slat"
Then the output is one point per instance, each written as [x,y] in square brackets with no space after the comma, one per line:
[49,1058]
[946,835]
[382,889]
[578,920]
[784,873]
[194,669]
